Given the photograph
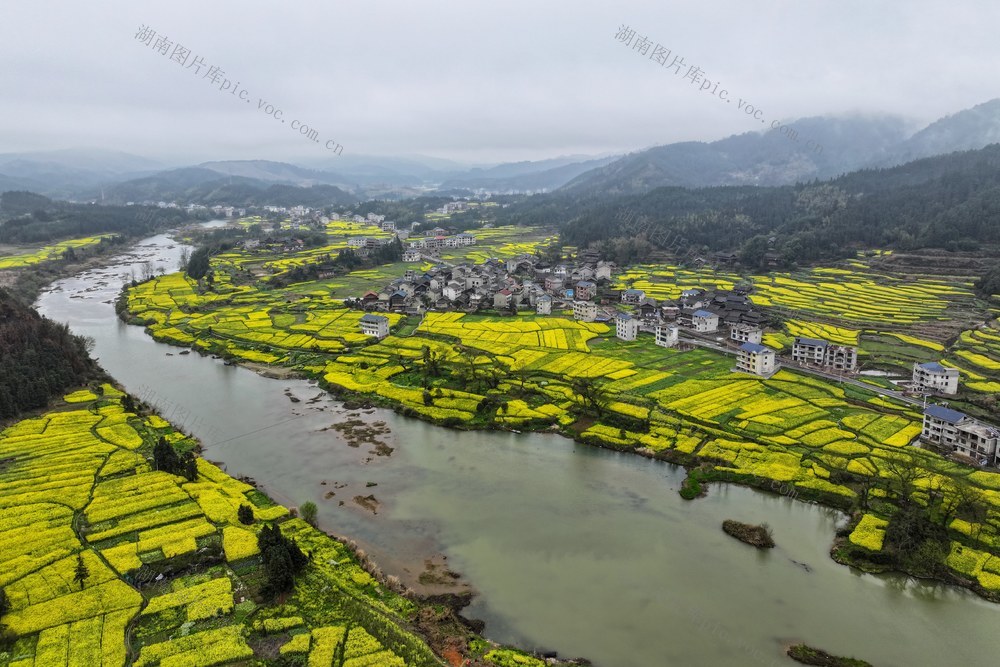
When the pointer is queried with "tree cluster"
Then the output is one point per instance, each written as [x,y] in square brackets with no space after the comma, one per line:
[950,202]
[989,283]
[32,218]
[39,358]
[165,458]
[283,559]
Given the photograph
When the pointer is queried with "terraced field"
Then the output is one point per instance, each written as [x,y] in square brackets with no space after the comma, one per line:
[856,296]
[500,242]
[76,488]
[47,253]
[977,356]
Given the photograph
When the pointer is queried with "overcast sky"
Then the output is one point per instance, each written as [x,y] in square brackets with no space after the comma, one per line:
[472,80]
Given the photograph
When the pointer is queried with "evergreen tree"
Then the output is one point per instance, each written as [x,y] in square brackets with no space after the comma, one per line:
[81,572]
[198,265]
[165,458]
[190,467]
[245,514]
[283,559]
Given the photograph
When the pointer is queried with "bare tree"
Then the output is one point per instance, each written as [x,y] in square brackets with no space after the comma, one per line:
[903,477]
[591,396]
[973,505]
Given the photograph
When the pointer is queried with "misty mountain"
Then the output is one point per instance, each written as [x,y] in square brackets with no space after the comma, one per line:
[822,148]
[278,172]
[776,158]
[970,129]
[72,172]
[526,176]
[198,185]
[950,202]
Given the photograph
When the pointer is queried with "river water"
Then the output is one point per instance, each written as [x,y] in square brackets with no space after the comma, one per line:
[571,548]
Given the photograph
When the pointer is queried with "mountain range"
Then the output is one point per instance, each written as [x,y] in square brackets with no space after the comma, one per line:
[822,148]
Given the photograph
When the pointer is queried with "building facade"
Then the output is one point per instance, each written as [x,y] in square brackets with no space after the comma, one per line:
[746,333]
[756,359]
[933,377]
[704,321]
[585,311]
[666,335]
[955,431]
[626,326]
[375,325]
[815,352]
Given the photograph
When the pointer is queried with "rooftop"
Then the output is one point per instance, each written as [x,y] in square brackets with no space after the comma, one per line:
[935,367]
[944,414]
[812,342]
[754,348]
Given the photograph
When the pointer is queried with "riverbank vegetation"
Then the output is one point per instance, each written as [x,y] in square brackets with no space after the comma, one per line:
[794,434]
[29,218]
[107,560]
[808,655]
[757,536]
[39,359]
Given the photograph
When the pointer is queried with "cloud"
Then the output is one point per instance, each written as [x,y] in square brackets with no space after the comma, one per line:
[473,81]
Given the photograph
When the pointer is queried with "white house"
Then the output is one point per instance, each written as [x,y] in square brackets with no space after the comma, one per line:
[543,305]
[626,326]
[809,351]
[452,290]
[633,296]
[704,321]
[375,325]
[666,335]
[824,353]
[756,359]
[746,333]
[841,357]
[585,311]
[411,255]
[502,299]
[955,431]
[933,377]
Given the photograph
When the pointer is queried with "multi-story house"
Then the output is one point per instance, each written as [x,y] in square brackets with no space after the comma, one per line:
[374,325]
[626,326]
[955,431]
[585,311]
[933,377]
[746,333]
[666,335]
[756,359]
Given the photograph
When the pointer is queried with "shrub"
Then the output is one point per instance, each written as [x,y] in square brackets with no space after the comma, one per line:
[308,512]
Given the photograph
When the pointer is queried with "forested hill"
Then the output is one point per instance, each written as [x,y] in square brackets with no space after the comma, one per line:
[950,202]
[39,359]
[26,217]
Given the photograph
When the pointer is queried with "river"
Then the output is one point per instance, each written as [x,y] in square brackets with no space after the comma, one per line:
[571,548]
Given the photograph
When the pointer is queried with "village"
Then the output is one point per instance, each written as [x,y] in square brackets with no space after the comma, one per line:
[724,320]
